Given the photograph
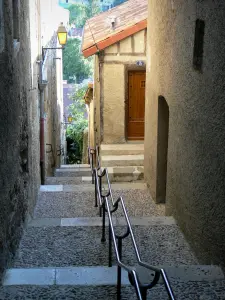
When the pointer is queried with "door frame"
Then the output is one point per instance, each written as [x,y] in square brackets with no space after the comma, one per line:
[127,69]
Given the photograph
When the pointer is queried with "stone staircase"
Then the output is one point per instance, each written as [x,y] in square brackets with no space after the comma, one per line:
[125,162]
[61,255]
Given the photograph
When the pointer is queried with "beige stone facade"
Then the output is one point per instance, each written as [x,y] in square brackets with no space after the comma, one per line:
[111,86]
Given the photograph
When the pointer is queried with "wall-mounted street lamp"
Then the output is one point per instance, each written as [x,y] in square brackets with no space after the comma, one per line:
[69,120]
[62,38]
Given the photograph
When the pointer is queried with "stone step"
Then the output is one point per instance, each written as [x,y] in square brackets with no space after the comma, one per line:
[59,292]
[99,275]
[122,160]
[90,187]
[72,172]
[63,180]
[82,246]
[126,174]
[81,204]
[122,149]
[75,166]
[97,221]
[200,290]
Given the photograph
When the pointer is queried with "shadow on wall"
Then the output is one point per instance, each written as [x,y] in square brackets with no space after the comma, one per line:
[162,149]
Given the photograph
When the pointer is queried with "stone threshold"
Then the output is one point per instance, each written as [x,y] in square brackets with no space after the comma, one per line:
[102,275]
[97,221]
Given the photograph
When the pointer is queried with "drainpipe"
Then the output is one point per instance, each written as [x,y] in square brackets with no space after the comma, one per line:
[42,85]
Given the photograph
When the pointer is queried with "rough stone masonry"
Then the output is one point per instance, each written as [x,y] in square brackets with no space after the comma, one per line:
[19,170]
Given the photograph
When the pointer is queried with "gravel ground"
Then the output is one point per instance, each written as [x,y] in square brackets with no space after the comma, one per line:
[63,180]
[81,204]
[183,291]
[77,246]
[66,205]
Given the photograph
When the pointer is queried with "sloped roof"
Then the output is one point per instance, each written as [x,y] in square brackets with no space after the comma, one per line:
[130,17]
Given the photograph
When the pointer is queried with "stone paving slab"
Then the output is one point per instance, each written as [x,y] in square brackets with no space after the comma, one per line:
[81,204]
[105,276]
[51,188]
[41,276]
[77,246]
[183,291]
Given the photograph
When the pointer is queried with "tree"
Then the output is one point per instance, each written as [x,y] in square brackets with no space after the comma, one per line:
[75,130]
[79,13]
[75,67]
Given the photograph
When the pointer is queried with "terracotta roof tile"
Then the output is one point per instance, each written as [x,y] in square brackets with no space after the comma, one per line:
[130,17]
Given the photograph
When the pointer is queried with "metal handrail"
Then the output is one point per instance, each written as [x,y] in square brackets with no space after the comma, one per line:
[103,201]
[139,261]
[130,271]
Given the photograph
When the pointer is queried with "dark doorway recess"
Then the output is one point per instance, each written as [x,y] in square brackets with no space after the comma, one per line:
[162,148]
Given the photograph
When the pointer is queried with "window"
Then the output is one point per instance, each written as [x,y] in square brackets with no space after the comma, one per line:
[2,36]
[199,44]
[16,28]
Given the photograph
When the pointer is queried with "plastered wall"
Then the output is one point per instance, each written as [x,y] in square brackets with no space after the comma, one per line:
[195,192]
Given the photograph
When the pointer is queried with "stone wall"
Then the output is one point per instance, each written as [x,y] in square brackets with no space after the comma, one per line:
[194,186]
[18,148]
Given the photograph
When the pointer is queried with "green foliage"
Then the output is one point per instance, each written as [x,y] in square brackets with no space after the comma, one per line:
[79,13]
[74,131]
[75,67]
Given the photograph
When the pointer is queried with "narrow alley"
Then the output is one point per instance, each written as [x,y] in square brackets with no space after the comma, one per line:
[112,150]
[61,255]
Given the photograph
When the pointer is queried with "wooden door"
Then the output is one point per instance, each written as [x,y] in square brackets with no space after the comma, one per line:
[136,105]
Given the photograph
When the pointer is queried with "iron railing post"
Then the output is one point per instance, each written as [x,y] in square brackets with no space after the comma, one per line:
[100,188]
[143,293]
[110,247]
[119,271]
[103,221]
[92,166]
[96,198]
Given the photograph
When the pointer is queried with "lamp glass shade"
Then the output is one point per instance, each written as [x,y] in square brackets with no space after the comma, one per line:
[70,119]
[62,34]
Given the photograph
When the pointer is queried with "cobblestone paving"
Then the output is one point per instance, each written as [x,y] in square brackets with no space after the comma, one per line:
[183,291]
[81,204]
[69,246]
